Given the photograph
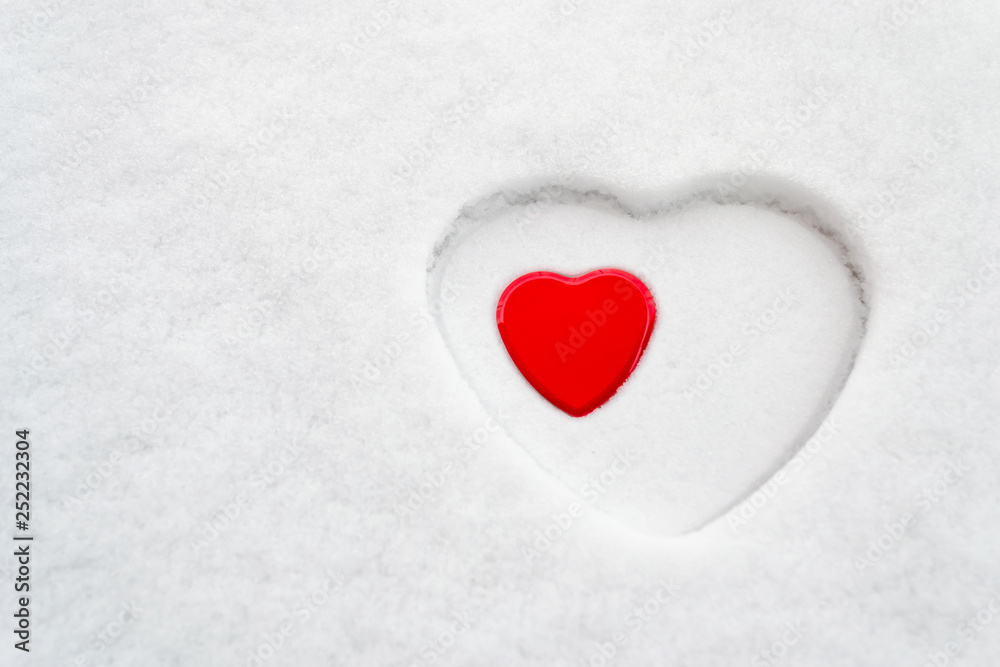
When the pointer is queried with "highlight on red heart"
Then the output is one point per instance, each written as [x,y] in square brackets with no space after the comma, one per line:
[576,340]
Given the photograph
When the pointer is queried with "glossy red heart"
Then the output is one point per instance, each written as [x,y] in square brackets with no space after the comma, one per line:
[576,340]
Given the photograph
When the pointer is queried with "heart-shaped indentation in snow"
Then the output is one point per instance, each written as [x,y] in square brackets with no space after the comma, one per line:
[761,310]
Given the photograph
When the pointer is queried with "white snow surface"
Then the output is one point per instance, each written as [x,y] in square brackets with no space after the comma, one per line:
[260,437]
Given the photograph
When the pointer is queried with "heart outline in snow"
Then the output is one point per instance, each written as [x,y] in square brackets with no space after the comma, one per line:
[768,193]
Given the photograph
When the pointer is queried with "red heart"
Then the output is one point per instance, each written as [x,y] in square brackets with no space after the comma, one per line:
[576,340]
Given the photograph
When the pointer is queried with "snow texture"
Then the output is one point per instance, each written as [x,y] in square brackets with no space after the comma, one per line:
[262,435]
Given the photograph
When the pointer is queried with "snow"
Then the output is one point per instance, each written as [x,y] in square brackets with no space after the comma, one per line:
[227,225]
